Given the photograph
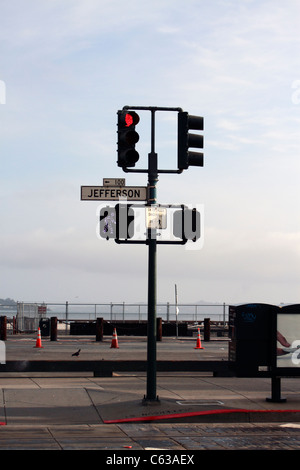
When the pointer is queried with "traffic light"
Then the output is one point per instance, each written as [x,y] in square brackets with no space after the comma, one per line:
[117,222]
[125,221]
[108,222]
[187,140]
[127,138]
[186,224]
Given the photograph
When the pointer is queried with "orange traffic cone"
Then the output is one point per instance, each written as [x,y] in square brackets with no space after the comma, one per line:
[114,341]
[38,343]
[198,344]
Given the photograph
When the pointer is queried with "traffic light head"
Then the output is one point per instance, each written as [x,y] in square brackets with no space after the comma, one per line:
[108,222]
[186,140]
[117,222]
[186,224]
[125,221]
[127,138]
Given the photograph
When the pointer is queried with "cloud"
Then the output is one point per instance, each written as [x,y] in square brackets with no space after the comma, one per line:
[69,66]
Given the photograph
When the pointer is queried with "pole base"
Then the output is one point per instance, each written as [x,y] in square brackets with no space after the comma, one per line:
[276,400]
[150,401]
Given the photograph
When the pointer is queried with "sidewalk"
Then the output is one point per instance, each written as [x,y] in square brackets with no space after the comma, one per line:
[193,410]
[119,399]
[108,413]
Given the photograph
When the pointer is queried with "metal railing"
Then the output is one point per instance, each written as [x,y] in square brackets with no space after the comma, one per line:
[123,311]
[28,315]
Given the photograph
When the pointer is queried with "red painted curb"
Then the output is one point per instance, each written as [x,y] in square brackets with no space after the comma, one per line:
[193,413]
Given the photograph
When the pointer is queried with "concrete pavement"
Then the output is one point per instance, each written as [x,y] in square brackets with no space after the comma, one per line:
[193,411]
[46,401]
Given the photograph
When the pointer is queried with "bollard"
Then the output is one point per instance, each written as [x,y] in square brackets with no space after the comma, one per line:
[3,328]
[206,329]
[53,327]
[158,329]
[14,326]
[99,329]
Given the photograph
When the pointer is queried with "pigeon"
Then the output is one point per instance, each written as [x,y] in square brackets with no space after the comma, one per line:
[76,353]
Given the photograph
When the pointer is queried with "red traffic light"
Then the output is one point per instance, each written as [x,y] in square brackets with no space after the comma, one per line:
[131,119]
[127,138]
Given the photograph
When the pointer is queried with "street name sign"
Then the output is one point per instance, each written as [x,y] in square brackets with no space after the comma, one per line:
[113,193]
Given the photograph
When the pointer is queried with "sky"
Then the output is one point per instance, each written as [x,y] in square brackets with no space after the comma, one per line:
[67,67]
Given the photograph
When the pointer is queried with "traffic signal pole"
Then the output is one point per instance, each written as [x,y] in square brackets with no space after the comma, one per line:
[127,157]
[186,224]
[152,278]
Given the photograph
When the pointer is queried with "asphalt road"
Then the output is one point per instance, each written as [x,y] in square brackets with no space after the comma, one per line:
[22,347]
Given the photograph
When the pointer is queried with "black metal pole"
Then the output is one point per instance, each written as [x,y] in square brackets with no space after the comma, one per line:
[151,330]
[276,391]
